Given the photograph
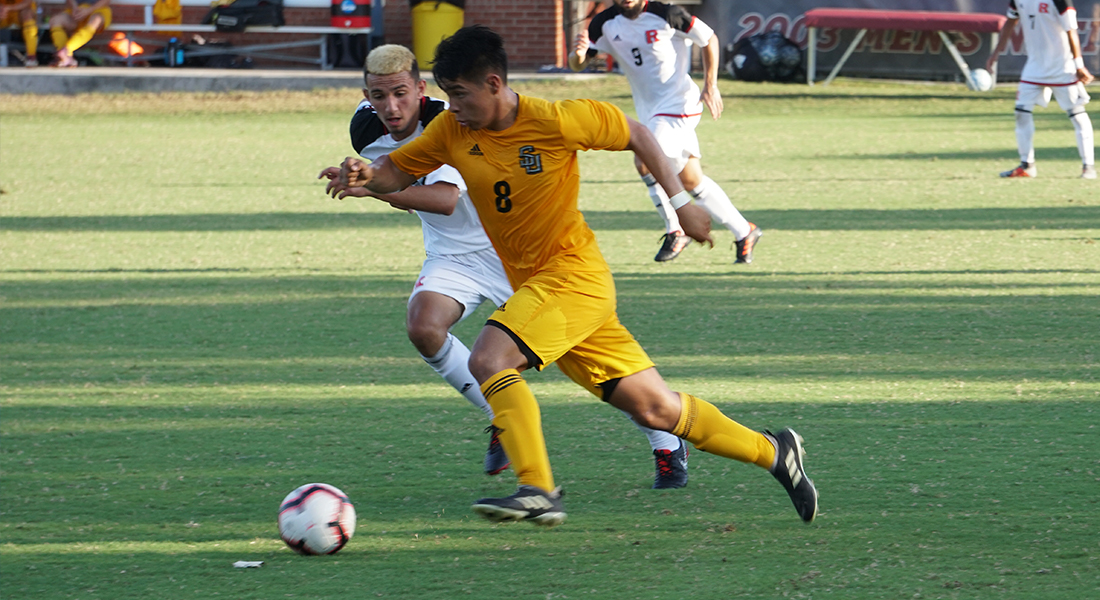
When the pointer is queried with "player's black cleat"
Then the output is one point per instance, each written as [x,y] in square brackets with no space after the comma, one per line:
[529,503]
[672,468]
[672,244]
[495,458]
[746,245]
[788,470]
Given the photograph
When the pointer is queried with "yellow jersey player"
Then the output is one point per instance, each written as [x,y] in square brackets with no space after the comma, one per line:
[518,156]
[75,26]
[461,270]
[21,13]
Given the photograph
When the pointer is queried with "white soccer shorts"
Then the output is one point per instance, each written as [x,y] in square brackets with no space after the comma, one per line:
[1068,96]
[470,279]
[676,136]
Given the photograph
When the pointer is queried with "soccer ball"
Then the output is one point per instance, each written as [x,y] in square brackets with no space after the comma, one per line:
[316,518]
[980,80]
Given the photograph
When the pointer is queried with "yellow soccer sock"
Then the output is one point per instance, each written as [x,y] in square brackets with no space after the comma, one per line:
[520,424]
[702,424]
[81,37]
[59,37]
[30,37]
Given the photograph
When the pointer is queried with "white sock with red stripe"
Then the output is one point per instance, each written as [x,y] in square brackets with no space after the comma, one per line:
[714,200]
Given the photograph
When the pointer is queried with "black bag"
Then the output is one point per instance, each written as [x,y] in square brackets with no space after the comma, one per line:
[246,13]
[765,57]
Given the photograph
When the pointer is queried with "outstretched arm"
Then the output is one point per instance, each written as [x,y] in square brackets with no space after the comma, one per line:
[359,178]
[694,220]
[440,198]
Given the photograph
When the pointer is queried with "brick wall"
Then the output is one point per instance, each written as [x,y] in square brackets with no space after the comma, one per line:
[532,29]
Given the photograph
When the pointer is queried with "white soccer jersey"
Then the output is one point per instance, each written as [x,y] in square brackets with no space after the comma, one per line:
[457,233]
[1045,23]
[654,52]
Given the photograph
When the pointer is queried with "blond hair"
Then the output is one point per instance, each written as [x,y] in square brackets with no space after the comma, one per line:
[389,59]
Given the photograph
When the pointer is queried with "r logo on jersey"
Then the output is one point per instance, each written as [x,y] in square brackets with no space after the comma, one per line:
[531,162]
[651,36]
[1044,8]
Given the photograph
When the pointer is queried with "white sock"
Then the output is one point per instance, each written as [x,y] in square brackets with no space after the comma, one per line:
[660,202]
[1082,127]
[714,200]
[658,440]
[451,364]
[1025,136]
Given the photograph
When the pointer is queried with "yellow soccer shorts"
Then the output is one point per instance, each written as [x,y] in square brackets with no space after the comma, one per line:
[569,317]
[14,19]
[105,11]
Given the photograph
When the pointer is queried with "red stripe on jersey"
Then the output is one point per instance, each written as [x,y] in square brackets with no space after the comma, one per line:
[678,116]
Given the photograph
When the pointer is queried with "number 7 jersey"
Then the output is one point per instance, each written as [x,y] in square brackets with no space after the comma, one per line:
[524,180]
[1045,24]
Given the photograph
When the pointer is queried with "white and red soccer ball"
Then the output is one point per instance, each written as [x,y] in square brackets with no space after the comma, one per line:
[316,518]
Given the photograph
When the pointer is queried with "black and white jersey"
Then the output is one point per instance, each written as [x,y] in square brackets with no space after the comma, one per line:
[654,51]
[458,233]
[1045,23]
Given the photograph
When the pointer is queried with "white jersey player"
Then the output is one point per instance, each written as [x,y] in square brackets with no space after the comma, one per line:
[651,41]
[1054,67]
[461,269]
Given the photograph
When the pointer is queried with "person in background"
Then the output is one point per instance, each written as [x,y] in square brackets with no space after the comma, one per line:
[22,13]
[1054,67]
[651,41]
[74,27]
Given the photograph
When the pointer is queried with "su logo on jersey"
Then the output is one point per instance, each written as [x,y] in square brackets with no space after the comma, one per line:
[531,162]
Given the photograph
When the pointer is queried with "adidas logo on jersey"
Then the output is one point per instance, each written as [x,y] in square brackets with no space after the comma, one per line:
[476,151]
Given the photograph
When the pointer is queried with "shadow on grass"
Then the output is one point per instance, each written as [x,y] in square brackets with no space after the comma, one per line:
[1068,152]
[330,330]
[1067,217]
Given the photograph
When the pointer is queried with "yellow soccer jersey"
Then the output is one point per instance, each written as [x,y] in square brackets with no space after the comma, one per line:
[524,180]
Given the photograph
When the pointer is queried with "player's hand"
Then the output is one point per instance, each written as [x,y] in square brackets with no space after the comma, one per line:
[350,179]
[696,223]
[713,100]
[991,64]
[581,45]
[355,172]
[1084,76]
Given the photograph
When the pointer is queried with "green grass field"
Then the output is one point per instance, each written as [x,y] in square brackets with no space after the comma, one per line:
[190,329]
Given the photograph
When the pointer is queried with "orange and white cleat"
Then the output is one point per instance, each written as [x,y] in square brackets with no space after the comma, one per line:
[746,244]
[1023,170]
